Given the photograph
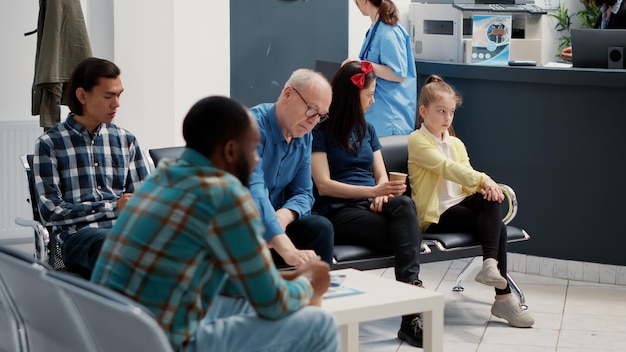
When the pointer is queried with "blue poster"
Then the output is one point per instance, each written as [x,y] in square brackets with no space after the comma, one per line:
[491,39]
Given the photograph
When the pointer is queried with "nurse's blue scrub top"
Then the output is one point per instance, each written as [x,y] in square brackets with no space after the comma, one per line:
[394,111]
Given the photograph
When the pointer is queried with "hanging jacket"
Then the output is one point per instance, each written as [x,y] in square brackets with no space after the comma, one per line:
[62,42]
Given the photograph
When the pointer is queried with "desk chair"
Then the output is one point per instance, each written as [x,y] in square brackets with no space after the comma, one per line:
[153,156]
[47,248]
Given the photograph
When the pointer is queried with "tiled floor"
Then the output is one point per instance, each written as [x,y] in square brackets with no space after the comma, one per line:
[570,316]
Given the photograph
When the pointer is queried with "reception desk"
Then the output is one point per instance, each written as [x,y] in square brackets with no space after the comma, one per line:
[558,137]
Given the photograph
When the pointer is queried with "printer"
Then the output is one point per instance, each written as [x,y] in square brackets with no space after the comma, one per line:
[442,30]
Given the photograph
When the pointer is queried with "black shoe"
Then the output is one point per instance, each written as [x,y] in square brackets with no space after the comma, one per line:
[417,282]
[411,330]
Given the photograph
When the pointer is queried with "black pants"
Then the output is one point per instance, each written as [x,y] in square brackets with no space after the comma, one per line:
[310,232]
[395,229]
[481,217]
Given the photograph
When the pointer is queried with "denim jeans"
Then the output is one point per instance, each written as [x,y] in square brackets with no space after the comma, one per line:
[233,325]
[80,250]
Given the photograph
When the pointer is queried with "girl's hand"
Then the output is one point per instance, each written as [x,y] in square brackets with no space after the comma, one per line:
[492,191]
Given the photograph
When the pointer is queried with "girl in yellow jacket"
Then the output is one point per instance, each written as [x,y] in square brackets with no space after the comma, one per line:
[451,196]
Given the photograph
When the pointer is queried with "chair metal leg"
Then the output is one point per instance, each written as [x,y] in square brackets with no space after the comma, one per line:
[517,290]
[42,237]
[464,272]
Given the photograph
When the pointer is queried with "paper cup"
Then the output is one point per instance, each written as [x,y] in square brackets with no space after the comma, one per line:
[397,176]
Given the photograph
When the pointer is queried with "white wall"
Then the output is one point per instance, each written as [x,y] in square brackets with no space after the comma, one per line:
[359,24]
[172,53]
[18,60]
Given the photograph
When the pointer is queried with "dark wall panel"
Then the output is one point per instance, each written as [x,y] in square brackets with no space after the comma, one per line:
[557,138]
[272,38]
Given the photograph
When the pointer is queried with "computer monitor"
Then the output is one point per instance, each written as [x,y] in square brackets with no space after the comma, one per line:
[327,68]
[599,48]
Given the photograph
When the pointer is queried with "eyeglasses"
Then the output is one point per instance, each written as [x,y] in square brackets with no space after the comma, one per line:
[311,112]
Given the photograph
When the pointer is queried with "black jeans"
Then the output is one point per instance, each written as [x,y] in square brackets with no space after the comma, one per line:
[310,232]
[394,229]
[481,217]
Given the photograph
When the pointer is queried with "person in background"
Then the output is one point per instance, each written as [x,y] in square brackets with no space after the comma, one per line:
[86,168]
[351,185]
[192,230]
[388,47]
[451,196]
[281,183]
[612,16]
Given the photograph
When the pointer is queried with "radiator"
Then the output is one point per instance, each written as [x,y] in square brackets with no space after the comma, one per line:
[16,138]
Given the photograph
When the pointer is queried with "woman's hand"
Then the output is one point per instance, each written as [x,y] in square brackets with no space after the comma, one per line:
[566,54]
[491,191]
[389,188]
[377,204]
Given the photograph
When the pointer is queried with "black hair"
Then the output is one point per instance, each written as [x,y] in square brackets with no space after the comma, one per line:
[87,75]
[212,121]
[346,113]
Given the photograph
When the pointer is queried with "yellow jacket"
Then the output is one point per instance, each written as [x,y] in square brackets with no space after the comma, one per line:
[427,165]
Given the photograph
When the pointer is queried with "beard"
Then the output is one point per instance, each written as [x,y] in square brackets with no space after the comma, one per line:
[243,171]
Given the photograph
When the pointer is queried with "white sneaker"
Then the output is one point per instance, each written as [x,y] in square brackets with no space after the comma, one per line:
[490,275]
[510,310]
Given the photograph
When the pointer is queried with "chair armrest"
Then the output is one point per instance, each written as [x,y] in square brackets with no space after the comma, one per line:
[148,159]
[42,237]
[511,200]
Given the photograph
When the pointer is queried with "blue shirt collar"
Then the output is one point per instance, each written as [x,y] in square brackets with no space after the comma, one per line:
[275,131]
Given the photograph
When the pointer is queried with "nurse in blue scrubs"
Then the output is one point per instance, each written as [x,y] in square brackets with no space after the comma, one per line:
[388,47]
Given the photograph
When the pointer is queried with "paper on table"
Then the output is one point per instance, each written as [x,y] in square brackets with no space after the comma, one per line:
[337,289]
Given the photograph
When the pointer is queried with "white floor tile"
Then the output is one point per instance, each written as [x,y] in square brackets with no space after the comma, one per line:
[459,347]
[490,347]
[604,300]
[591,272]
[608,273]
[602,322]
[502,334]
[574,270]
[590,340]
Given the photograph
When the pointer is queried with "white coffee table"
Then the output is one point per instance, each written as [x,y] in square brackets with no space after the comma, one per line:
[384,298]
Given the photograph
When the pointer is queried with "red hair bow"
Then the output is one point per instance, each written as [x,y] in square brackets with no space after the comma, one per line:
[359,78]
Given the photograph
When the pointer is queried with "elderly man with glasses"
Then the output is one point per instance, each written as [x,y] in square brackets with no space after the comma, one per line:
[281,183]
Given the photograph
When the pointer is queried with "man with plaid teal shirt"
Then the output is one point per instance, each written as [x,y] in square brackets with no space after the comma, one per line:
[86,167]
[192,230]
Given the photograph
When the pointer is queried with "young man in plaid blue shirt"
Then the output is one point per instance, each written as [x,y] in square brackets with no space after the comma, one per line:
[86,167]
[192,230]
